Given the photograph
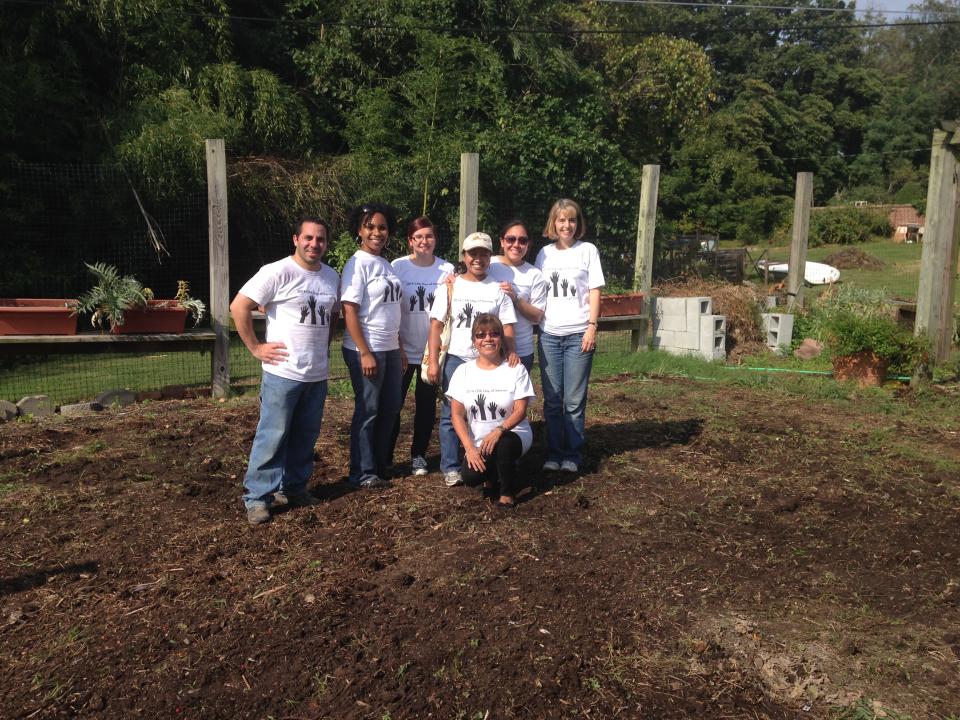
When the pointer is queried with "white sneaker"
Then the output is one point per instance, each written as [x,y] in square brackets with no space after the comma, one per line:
[453,478]
[551,466]
[569,466]
[419,465]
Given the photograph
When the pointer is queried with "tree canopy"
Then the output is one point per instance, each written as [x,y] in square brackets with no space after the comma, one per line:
[559,97]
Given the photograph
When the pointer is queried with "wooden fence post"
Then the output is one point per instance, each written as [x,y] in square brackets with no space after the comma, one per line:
[938,261]
[643,260]
[219,266]
[469,195]
[802,202]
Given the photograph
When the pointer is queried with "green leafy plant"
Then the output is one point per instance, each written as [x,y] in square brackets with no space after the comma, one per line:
[849,333]
[112,295]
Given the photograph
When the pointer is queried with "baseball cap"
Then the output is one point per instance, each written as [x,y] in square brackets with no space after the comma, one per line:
[477,240]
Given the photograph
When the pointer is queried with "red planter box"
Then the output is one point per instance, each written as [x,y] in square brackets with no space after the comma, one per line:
[161,316]
[37,316]
[628,304]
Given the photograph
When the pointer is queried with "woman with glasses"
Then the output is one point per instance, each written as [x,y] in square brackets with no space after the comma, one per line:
[471,294]
[371,294]
[488,400]
[568,336]
[523,283]
[420,273]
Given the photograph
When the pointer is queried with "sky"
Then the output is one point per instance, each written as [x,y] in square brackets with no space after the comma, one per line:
[882,5]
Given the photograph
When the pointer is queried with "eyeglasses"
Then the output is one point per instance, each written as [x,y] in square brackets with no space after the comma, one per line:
[482,334]
[421,238]
[521,239]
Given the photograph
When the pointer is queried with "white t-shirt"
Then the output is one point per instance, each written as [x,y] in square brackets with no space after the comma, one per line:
[419,291]
[531,287]
[570,275]
[488,397]
[469,300]
[298,305]
[370,282]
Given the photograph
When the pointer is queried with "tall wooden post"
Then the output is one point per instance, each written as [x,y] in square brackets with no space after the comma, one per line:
[469,196]
[219,266]
[938,261]
[643,260]
[802,202]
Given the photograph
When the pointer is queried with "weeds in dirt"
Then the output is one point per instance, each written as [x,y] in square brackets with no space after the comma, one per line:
[865,709]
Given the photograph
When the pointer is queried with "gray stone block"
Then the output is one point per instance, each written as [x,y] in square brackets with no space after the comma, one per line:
[87,408]
[116,397]
[8,411]
[36,405]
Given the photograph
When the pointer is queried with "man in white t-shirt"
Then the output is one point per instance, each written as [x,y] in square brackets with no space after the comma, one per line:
[299,297]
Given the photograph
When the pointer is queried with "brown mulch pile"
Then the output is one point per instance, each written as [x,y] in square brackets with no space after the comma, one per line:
[740,304]
[853,258]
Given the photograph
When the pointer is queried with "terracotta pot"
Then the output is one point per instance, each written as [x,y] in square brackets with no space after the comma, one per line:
[37,316]
[865,367]
[614,305]
[160,316]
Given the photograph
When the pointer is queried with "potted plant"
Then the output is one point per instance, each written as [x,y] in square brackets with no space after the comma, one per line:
[123,303]
[863,347]
[37,316]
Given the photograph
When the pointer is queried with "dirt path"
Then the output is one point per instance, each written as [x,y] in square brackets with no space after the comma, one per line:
[727,553]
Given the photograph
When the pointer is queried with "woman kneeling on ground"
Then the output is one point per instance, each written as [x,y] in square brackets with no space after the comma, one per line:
[488,400]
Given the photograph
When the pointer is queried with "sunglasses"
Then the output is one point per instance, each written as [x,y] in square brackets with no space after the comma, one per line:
[521,239]
[482,334]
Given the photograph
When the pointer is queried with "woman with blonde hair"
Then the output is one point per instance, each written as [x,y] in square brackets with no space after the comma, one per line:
[568,336]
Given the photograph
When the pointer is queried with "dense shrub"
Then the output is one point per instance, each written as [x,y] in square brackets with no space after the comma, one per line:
[847,225]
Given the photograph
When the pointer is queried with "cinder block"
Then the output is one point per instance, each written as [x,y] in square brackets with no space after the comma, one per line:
[713,336]
[87,408]
[779,329]
[696,308]
[671,313]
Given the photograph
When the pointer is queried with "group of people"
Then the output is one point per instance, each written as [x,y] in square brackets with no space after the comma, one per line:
[395,316]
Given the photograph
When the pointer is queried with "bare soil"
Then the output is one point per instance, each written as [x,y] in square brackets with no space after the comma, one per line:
[727,552]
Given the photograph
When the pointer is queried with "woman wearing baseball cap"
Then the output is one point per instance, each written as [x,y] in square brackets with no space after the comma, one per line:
[471,294]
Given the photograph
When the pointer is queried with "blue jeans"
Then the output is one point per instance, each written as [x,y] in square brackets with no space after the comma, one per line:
[564,374]
[376,406]
[282,454]
[451,454]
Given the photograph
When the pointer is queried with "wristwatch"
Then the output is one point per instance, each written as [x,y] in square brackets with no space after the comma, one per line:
[501,428]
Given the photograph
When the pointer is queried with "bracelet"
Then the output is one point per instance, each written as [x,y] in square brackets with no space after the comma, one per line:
[592,322]
[501,428]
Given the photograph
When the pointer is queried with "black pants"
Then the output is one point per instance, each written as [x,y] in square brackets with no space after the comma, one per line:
[501,465]
[424,414]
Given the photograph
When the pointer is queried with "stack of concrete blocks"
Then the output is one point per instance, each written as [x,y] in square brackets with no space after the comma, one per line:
[778,329]
[687,326]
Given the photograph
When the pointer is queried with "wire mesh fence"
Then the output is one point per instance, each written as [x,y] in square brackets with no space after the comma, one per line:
[55,218]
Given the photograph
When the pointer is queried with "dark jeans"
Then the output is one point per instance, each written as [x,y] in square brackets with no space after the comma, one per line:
[376,406]
[424,413]
[501,465]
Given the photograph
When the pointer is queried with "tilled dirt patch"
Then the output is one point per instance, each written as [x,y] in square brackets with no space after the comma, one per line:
[724,554]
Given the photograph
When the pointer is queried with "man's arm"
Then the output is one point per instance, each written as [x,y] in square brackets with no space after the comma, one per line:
[241,309]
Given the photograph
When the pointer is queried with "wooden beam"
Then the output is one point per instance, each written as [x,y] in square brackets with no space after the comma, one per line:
[938,261]
[643,259]
[219,266]
[802,202]
[469,196]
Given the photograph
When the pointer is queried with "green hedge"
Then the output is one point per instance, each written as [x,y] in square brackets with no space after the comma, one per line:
[847,225]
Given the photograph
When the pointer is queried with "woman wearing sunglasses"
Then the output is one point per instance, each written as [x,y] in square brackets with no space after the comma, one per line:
[523,283]
[568,336]
[471,294]
[421,272]
[488,400]
[371,293]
